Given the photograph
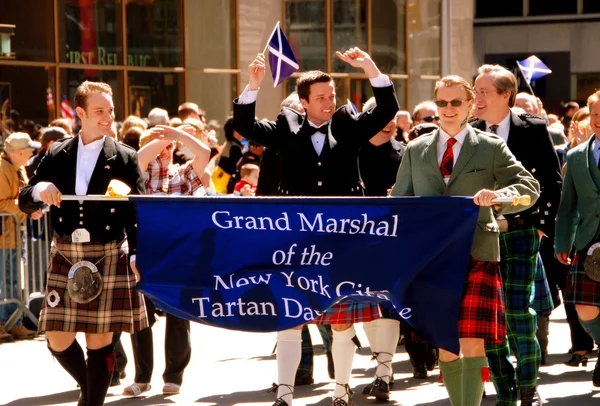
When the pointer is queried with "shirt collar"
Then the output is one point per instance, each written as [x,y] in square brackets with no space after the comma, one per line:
[317,126]
[504,124]
[460,137]
[92,146]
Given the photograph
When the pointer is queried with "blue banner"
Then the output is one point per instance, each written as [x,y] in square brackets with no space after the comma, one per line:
[268,264]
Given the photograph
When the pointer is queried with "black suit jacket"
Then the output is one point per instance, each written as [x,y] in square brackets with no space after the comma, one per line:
[106,221]
[304,173]
[530,143]
[378,168]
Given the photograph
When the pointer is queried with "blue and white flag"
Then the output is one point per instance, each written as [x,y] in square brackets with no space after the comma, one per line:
[353,107]
[533,68]
[269,264]
[281,57]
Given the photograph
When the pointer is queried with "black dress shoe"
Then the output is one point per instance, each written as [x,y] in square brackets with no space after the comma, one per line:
[420,371]
[381,390]
[543,358]
[530,397]
[303,379]
[576,360]
[596,374]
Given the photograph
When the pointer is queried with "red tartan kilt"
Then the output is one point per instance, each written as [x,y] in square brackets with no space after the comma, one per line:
[580,289]
[349,313]
[482,312]
[118,307]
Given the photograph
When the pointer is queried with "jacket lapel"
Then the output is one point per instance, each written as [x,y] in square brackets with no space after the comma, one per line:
[465,155]
[430,154]
[591,167]
[70,151]
[102,171]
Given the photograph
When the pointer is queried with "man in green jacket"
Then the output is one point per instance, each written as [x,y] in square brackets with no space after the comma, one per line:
[457,160]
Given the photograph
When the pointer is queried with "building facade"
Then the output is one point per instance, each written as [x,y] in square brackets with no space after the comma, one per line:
[159,53]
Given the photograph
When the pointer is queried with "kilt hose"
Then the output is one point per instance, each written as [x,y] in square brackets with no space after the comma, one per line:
[519,261]
[118,308]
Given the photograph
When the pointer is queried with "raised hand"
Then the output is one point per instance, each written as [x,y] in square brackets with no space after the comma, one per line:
[256,69]
[359,59]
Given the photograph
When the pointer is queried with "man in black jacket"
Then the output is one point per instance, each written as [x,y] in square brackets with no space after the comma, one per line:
[528,139]
[319,153]
[101,232]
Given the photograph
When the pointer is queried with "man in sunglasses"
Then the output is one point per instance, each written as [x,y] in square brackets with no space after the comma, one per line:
[527,138]
[426,112]
[457,160]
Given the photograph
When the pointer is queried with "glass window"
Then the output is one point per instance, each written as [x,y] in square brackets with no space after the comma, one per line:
[507,8]
[305,30]
[388,35]
[153,89]
[213,93]
[70,79]
[212,24]
[545,7]
[155,32]
[349,30]
[90,32]
[586,84]
[591,6]
[34,34]
[23,93]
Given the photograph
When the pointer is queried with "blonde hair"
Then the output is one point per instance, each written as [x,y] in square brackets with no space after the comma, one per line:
[248,169]
[592,99]
[451,81]
[132,121]
[580,115]
[86,88]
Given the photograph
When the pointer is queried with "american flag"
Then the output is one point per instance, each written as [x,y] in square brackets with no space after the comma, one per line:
[49,99]
[66,111]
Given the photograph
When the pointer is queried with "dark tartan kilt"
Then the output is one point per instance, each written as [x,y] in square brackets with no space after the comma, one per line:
[349,313]
[118,307]
[580,288]
[482,312]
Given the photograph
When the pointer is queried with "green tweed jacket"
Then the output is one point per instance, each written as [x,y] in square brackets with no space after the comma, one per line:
[578,214]
[484,162]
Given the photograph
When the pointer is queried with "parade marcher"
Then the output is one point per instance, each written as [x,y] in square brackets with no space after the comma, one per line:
[578,229]
[94,240]
[520,235]
[319,154]
[458,160]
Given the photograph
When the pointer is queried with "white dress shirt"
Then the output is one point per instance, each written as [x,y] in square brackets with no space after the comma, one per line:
[442,144]
[318,138]
[503,127]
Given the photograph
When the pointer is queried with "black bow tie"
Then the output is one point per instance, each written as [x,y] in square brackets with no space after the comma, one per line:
[309,130]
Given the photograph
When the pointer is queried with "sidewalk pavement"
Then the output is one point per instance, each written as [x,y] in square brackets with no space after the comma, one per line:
[234,368]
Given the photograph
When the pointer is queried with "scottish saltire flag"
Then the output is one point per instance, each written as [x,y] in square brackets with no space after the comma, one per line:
[353,107]
[533,68]
[281,57]
[268,264]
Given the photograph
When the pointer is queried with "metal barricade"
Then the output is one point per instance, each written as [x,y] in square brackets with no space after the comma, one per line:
[14,275]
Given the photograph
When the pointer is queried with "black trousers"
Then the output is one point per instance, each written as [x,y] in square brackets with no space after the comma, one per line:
[419,351]
[557,279]
[178,349]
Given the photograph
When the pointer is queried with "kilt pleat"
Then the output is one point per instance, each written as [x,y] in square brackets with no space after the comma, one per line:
[580,288]
[349,313]
[118,307]
[482,312]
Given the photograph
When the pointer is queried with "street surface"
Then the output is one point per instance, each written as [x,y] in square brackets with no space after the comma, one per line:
[234,368]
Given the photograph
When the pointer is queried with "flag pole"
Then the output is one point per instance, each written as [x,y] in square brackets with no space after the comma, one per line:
[270,36]
[526,81]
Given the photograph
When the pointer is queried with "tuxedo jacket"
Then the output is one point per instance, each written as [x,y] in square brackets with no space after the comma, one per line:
[106,221]
[579,211]
[484,162]
[530,143]
[378,168]
[303,171]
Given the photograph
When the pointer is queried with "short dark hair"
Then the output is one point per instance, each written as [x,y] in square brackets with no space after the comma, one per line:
[305,80]
[87,87]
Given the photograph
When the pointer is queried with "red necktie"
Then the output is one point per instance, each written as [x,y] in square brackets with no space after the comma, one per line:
[448,159]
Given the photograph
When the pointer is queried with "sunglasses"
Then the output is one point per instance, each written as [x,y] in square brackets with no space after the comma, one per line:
[453,103]
[431,119]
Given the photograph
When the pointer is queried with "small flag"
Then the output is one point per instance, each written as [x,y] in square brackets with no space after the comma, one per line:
[49,100]
[281,57]
[66,111]
[353,107]
[533,68]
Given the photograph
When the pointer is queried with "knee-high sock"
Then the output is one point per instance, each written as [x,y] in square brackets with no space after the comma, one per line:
[370,329]
[388,334]
[472,380]
[289,348]
[452,374]
[592,327]
[343,355]
[101,364]
[73,361]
